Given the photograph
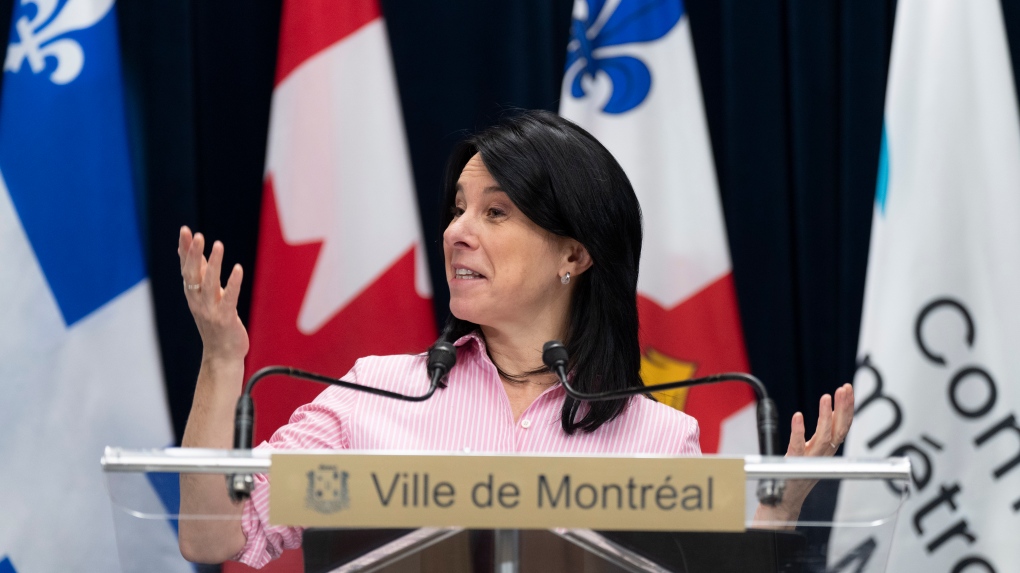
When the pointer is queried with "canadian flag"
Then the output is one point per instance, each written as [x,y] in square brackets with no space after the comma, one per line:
[632,81]
[340,269]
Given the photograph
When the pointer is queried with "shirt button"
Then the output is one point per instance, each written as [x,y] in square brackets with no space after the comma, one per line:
[525,423]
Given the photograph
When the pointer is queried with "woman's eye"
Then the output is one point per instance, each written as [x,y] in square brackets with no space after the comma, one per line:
[456,211]
[496,212]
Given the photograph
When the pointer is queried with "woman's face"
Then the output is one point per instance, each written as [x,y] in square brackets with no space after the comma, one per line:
[502,268]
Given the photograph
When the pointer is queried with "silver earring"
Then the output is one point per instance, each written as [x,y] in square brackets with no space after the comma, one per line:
[566,278]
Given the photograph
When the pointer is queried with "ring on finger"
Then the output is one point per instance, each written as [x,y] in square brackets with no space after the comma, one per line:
[193,287]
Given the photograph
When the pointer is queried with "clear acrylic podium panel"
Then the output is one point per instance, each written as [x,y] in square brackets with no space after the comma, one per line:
[819,541]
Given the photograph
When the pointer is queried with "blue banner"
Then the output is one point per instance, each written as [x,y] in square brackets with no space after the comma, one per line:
[64,151]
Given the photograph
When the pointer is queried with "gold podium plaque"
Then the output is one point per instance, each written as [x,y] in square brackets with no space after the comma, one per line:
[506,491]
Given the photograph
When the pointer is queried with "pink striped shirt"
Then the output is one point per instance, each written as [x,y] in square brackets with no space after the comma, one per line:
[472,413]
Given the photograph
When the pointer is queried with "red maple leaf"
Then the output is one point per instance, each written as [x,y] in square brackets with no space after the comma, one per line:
[387,317]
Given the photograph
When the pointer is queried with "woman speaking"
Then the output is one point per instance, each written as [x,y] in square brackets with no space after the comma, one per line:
[542,241]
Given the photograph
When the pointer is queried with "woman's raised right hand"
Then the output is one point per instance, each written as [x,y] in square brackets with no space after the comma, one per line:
[213,307]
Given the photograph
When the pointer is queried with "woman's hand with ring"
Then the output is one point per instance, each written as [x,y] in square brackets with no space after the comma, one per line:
[834,421]
[213,307]
[835,414]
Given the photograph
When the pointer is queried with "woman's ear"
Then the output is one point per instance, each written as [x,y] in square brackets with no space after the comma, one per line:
[578,259]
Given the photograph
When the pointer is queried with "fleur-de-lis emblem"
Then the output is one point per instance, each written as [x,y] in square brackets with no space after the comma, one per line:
[39,36]
[596,27]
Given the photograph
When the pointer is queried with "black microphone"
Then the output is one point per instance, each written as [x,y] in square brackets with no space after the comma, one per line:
[441,359]
[770,492]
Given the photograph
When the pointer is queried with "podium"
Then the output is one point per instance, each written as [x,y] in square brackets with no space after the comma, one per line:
[411,511]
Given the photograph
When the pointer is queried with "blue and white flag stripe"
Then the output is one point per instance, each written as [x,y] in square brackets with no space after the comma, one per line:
[79,364]
[64,156]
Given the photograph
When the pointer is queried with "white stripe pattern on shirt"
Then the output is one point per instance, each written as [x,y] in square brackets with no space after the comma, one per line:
[472,413]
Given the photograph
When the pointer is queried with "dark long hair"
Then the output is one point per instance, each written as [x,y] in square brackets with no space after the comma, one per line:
[565,181]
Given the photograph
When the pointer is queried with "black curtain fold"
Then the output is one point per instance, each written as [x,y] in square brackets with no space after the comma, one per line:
[794,94]
[157,45]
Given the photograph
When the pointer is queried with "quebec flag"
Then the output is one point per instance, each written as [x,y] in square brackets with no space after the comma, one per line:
[631,80]
[937,377]
[79,366]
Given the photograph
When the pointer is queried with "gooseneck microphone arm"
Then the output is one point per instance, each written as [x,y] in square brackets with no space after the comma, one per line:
[244,415]
[770,492]
[441,358]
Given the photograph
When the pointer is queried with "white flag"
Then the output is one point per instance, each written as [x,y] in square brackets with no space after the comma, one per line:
[940,334]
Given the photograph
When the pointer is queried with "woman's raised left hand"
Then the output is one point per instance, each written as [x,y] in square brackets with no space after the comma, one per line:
[835,414]
[833,424]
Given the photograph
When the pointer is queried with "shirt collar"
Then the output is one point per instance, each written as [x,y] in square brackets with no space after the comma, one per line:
[474,339]
[471,336]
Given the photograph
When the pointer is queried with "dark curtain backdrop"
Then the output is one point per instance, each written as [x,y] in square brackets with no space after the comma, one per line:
[793,92]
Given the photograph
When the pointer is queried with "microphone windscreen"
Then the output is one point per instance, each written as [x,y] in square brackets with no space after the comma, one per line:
[442,356]
[554,354]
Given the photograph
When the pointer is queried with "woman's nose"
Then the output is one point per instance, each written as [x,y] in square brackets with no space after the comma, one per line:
[460,233]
